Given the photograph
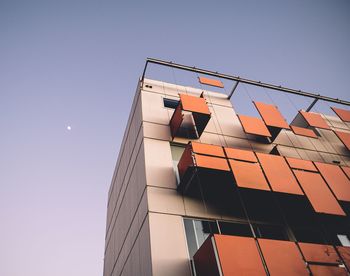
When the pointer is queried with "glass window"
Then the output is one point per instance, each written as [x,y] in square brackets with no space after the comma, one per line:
[236,229]
[197,231]
[170,103]
[176,153]
[344,239]
[275,232]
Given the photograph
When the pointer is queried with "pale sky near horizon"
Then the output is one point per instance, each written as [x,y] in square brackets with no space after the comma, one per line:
[76,63]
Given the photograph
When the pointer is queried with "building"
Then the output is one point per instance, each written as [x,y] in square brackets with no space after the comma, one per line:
[200,190]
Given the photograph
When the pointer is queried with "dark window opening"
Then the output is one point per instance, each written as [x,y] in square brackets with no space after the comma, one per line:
[275,232]
[235,229]
[170,103]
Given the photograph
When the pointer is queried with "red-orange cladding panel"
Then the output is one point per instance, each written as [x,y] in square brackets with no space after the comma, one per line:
[176,120]
[185,161]
[344,137]
[318,193]
[282,258]
[255,126]
[343,114]
[210,162]
[207,149]
[211,82]
[205,260]
[344,252]
[301,164]
[346,171]
[194,104]
[238,256]
[323,270]
[314,120]
[279,174]
[271,115]
[245,155]
[248,175]
[303,131]
[320,253]
[336,179]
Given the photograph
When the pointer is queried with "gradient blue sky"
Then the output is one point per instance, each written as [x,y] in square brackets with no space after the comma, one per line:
[77,63]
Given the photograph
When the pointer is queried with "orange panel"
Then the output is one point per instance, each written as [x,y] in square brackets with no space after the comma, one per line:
[210,162]
[346,170]
[336,179]
[282,258]
[322,270]
[344,252]
[205,260]
[211,82]
[185,161]
[208,149]
[279,174]
[248,175]
[271,115]
[238,256]
[343,114]
[344,137]
[301,164]
[176,120]
[245,155]
[314,120]
[252,125]
[303,131]
[319,253]
[194,104]
[321,198]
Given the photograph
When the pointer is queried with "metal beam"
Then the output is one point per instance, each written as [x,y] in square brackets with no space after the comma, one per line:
[242,80]
[233,90]
[311,105]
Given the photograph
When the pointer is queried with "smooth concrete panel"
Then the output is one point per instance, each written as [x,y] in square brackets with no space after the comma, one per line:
[159,164]
[217,99]
[212,138]
[164,200]
[153,109]
[145,249]
[168,246]
[156,131]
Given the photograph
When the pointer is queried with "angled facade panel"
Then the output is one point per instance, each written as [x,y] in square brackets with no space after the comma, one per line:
[344,137]
[314,120]
[211,82]
[319,253]
[271,115]
[303,131]
[317,191]
[248,175]
[301,164]
[279,174]
[239,154]
[336,179]
[282,258]
[255,126]
[343,114]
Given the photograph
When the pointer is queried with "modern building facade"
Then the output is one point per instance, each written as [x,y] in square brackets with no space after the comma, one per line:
[201,190]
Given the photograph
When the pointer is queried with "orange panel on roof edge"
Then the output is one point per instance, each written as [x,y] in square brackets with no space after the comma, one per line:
[209,162]
[301,164]
[246,155]
[314,120]
[194,104]
[343,114]
[282,258]
[324,270]
[303,131]
[238,256]
[344,137]
[271,115]
[279,174]
[320,253]
[336,179]
[318,193]
[207,149]
[211,82]
[248,175]
[255,126]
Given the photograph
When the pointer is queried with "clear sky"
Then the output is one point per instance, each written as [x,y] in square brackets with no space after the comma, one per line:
[76,63]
